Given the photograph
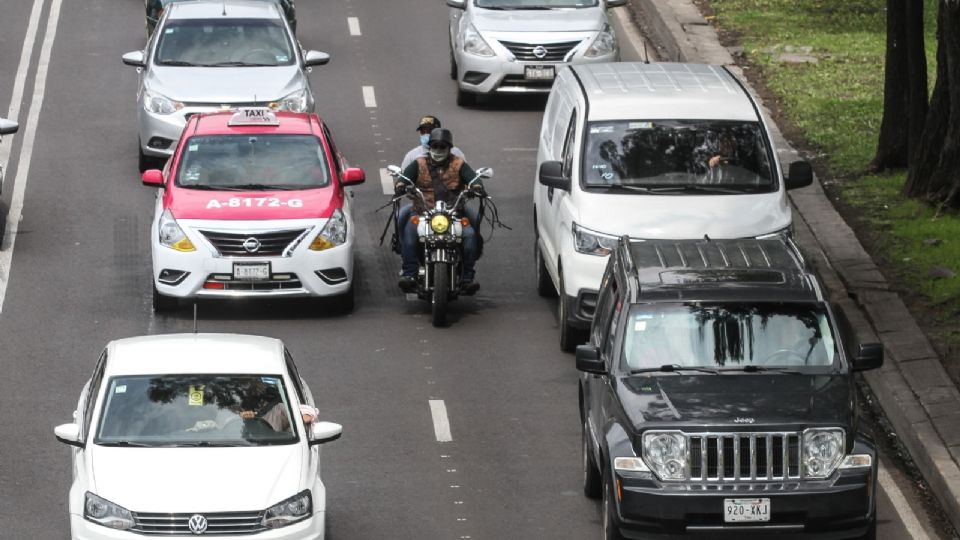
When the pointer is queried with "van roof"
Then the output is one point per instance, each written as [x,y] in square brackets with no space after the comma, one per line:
[663,91]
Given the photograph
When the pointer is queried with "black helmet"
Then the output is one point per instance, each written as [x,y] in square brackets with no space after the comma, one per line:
[441,135]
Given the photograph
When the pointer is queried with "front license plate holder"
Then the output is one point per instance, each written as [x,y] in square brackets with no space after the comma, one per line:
[746,510]
[251,271]
[539,73]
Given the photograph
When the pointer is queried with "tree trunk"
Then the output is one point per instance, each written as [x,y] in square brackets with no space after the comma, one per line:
[934,173]
[905,86]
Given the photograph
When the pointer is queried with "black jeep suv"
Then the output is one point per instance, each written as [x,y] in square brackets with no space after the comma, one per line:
[717,397]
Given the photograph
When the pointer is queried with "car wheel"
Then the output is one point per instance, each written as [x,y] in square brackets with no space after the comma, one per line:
[610,529]
[545,286]
[465,99]
[871,533]
[147,162]
[344,303]
[453,66]
[570,336]
[163,303]
[592,482]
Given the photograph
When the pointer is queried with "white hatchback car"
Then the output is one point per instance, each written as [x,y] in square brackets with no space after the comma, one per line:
[190,434]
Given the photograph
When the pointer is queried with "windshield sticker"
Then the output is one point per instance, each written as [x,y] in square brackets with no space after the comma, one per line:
[193,147]
[601,129]
[282,58]
[639,326]
[599,166]
[640,125]
[169,30]
[195,397]
[120,389]
[251,202]
[269,380]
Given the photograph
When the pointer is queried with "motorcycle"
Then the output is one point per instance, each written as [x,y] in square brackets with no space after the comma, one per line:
[7,127]
[440,231]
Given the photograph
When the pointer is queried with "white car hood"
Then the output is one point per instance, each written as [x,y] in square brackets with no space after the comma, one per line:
[196,479]
[224,85]
[675,217]
[533,20]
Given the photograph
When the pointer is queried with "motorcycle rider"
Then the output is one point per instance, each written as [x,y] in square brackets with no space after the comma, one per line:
[438,174]
[427,124]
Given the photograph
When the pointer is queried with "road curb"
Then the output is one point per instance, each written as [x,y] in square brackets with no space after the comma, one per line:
[914,391]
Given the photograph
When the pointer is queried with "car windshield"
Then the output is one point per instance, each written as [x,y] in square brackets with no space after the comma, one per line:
[534,4]
[728,335]
[253,162]
[663,156]
[196,410]
[224,43]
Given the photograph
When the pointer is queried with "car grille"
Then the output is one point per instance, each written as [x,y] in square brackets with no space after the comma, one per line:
[552,52]
[272,243]
[217,523]
[744,456]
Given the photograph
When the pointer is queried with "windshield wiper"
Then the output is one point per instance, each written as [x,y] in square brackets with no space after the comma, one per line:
[764,369]
[672,368]
[698,187]
[125,444]
[234,63]
[178,63]
[259,187]
[207,444]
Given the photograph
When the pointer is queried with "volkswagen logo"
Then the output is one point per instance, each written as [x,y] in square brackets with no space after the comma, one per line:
[251,245]
[197,524]
[540,51]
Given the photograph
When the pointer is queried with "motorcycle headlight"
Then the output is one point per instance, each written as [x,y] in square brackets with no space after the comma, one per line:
[473,43]
[440,223]
[289,511]
[171,235]
[604,44]
[822,452]
[665,452]
[159,104]
[592,242]
[333,234]
[298,101]
[103,512]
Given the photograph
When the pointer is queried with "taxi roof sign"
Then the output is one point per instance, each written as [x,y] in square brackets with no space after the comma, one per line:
[254,116]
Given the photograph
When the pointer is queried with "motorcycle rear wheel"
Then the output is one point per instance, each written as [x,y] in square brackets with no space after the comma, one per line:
[441,293]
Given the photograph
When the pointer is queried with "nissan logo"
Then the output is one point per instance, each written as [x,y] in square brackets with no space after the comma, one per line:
[197,524]
[539,51]
[251,245]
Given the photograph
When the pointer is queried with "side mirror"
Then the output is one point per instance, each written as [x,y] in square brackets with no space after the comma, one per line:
[485,172]
[353,176]
[616,3]
[588,360]
[8,127]
[457,4]
[551,175]
[134,58]
[68,434]
[324,432]
[800,175]
[315,58]
[152,178]
[394,169]
[869,356]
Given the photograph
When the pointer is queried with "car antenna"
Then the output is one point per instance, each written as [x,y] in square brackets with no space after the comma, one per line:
[195,317]
[706,237]
[224,4]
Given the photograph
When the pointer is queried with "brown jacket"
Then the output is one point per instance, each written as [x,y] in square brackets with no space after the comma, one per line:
[449,177]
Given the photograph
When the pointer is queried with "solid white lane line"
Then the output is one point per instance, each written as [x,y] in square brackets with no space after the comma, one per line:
[26,150]
[354,24]
[369,98]
[20,79]
[900,504]
[441,425]
[386,182]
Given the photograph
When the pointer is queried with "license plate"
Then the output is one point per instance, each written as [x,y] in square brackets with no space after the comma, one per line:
[251,272]
[538,73]
[740,510]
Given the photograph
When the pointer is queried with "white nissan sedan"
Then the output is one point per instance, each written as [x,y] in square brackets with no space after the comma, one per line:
[196,434]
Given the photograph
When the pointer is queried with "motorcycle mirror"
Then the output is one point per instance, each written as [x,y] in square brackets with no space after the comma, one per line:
[485,172]
[394,169]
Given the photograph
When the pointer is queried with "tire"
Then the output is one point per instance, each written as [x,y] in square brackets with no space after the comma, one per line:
[441,294]
[453,66]
[570,336]
[145,162]
[610,530]
[465,99]
[163,303]
[592,481]
[871,533]
[344,303]
[545,286]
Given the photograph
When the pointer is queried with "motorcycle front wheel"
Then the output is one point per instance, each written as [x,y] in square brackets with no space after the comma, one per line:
[441,293]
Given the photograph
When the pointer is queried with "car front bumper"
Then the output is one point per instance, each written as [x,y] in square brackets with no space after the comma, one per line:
[582,274]
[310,529]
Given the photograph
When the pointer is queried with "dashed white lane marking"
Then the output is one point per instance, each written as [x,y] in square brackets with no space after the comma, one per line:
[26,150]
[900,504]
[369,97]
[386,182]
[20,79]
[441,425]
[354,24]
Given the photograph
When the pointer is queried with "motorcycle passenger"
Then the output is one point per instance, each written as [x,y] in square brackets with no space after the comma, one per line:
[427,124]
[438,174]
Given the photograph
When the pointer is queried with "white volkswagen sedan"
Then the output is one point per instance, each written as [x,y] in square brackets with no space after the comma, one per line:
[196,434]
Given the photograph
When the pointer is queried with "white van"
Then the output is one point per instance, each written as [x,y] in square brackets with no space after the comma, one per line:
[650,151]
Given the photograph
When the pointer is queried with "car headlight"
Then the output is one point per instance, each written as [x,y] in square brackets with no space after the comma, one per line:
[604,44]
[171,235]
[103,512]
[295,102]
[440,223]
[473,43]
[292,510]
[159,104]
[333,234]
[665,452]
[822,452]
[592,242]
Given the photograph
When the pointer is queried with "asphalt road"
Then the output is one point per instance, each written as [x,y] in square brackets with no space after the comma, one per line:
[77,274]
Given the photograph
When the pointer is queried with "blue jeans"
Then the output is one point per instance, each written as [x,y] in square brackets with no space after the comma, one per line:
[409,243]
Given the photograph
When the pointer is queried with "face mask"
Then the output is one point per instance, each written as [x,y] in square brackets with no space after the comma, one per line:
[439,154]
[424,139]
